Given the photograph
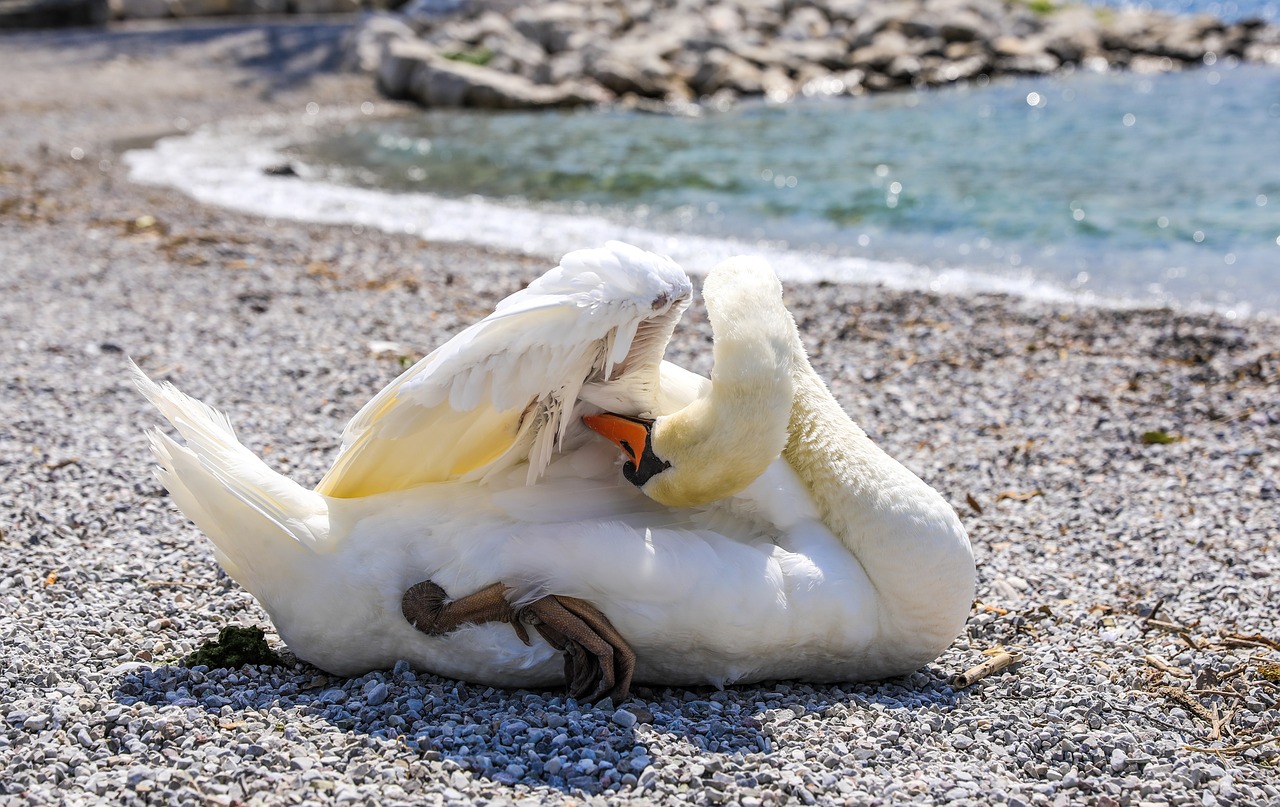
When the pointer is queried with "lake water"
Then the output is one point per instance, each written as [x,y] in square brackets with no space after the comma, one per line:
[1161,189]
[1154,189]
[1230,10]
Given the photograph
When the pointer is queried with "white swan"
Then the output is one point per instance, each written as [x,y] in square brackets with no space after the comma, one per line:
[474,471]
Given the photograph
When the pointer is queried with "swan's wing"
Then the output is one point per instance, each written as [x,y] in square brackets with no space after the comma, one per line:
[503,390]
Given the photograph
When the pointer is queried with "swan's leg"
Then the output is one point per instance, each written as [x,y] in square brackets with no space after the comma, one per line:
[425,607]
[598,661]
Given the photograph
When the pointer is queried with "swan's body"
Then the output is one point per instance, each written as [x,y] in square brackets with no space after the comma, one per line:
[835,563]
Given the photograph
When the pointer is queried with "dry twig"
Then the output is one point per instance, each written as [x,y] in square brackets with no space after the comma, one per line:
[1181,697]
[992,665]
[1250,640]
[1233,749]
[1019,497]
[1165,667]
[163,583]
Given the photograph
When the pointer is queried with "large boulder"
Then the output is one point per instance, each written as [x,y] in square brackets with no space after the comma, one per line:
[419,73]
[366,45]
[722,70]
[509,54]
[555,26]
[883,49]
[326,6]
[1072,35]
[140,9]
[637,63]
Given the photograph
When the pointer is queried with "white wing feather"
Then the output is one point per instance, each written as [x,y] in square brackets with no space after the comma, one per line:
[503,390]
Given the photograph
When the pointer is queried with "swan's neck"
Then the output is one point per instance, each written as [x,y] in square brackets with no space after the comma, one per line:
[906,537]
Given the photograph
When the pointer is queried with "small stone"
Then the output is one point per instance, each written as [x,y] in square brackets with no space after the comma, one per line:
[624,718]
[1118,760]
[36,722]
[377,696]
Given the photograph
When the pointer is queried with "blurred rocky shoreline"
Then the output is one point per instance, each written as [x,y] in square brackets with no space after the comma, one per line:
[665,53]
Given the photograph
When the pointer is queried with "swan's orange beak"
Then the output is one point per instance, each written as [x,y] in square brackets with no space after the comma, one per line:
[629,434]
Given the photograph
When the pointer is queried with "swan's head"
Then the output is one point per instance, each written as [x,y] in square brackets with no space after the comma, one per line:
[719,444]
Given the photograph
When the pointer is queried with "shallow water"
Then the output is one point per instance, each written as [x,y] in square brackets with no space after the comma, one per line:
[1230,10]
[1155,189]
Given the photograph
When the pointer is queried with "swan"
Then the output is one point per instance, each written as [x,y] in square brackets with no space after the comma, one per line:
[749,530]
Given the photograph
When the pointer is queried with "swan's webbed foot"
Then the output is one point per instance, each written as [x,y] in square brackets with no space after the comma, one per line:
[598,662]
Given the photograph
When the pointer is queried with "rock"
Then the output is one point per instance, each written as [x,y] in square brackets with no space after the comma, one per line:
[204,8]
[725,20]
[140,9]
[830,53]
[554,27]
[560,68]
[366,46]
[624,718]
[633,67]
[326,6]
[434,81]
[1019,55]
[648,54]
[721,69]
[879,17]
[806,24]
[513,53]
[887,46]
[1072,35]
[248,7]
[1185,36]
[838,11]
[957,22]
[377,695]
[399,58]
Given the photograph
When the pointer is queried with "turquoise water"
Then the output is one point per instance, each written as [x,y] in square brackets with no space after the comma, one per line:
[1230,10]
[1158,189]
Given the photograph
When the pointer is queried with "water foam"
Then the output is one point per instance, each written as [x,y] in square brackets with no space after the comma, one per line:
[226,165]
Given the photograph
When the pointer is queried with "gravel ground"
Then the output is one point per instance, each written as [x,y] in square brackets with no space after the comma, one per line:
[1029,418]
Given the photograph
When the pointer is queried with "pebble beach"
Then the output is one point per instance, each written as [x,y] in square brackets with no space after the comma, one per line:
[1118,471]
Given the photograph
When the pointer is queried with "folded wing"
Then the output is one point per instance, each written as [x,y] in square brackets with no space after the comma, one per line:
[502,391]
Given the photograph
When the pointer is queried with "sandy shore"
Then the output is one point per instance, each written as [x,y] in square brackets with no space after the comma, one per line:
[1030,419]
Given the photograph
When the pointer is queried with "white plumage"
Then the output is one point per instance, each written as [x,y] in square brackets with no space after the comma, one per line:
[473,467]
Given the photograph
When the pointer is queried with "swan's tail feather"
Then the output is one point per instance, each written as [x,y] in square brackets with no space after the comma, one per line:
[255,516]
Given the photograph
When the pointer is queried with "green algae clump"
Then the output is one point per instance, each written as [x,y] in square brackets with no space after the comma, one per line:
[234,647]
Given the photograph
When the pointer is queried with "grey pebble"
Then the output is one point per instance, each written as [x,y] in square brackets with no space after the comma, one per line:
[624,718]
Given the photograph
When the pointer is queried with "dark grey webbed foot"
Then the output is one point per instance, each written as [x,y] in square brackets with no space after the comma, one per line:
[598,662]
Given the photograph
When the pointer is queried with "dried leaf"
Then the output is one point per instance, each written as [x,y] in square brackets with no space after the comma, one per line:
[972,502]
